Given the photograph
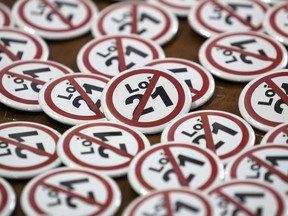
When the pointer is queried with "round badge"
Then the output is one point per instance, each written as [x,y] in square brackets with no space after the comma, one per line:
[247,198]
[200,82]
[111,55]
[5,17]
[174,202]
[146,98]
[209,18]
[278,135]
[223,133]
[264,101]
[71,192]
[7,198]
[141,18]
[242,56]
[275,22]
[180,8]
[21,81]
[106,147]
[174,165]
[73,99]
[55,19]
[19,45]
[27,149]
[267,163]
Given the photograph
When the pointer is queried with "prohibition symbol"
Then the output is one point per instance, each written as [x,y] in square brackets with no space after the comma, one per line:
[103,146]
[278,135]
[73,99]
[223,133]
[247,198]
[174,202]
[111,55]
[174,165]
[21,82]
[264,101]
[242,56]
[276,22]
[56,19]
[198,79]
[71,192]
[19,45]
[140,18]
[5,19]
[27,149]
[146,98]
[266,163]
[209,18]
[7,198]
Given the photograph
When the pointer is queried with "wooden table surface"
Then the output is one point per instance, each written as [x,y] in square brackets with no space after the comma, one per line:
[185,45]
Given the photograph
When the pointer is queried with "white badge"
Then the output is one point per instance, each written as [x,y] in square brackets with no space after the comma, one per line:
[277,135]
[53,19]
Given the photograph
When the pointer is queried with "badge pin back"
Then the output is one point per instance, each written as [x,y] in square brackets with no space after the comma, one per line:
[74,98]
[5,16]
[21,82]
[200,82]
[179,7]
[8,198]
[247,197]
[275,22]
[242,56]
[225,134]
[17,45]
[263,102]
[173,202]
[146,99]
[103,146]
[210,18]
[111,55]
[174,165]
[71,191]
[263,163]
[27,149]
[142,18]
[55,20]
[278,134]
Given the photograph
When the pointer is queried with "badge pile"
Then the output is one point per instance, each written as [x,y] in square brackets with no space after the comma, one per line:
[125,90]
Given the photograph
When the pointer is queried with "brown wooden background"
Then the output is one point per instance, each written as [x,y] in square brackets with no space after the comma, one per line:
[185,45]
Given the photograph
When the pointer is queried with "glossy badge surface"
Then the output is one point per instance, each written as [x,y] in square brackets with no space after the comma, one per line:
[21,81]
[73,99]
[242,56]
[264,101]
[27,149]
[71,191]
[102,146]
[141,18]
[52,19]
[146,99]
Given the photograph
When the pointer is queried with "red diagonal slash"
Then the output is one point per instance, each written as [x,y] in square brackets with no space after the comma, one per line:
[24,77]
[74,195]
[26,147]
[167,203]
[247,53]
[234,14]
[105,145]
[11,55]
[87,99]
[208,134]
[56,11]
[269,167]
[239,206]
[277,90]
[145,98]
[176,168]
[121,54]
[134,19]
